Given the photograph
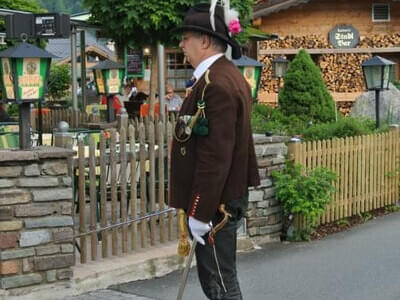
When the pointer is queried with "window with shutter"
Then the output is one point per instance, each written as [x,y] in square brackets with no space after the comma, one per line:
[380,12]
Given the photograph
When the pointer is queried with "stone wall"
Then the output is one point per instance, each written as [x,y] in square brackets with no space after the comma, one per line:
[36,224]
[264,216]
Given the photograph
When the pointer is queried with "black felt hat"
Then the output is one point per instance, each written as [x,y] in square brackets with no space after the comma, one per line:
[198,19]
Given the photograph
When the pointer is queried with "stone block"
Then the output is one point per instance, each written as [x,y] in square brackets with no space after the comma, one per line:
[66,181]
[52,194]
[38,182]
[6,213]
[14,196]
[34,210]
[66,208]
[256,195]
[280,159]
[62,234]
[269,193]
[32,170]
[263,139]
[274,201]
[274,219]
[6,183]
[51,275]
[27,265]
[263,204]
[256,222]
[53,262]
[10,171]
[253,231]
[269,170]
[17,253]
[67,248]
[10,225]
[8,240]
[47,250]
[270,229]
[64,274]
[33,238]
[9,267]
[265,183]
[264,162]
[20,280]
[56,221]
[56,167]
[273,210]
[262,172]
[273,149]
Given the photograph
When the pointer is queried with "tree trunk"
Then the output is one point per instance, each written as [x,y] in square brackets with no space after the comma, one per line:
[153,81]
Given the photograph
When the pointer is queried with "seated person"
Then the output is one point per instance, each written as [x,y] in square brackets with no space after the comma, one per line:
[4,117]
[172,100]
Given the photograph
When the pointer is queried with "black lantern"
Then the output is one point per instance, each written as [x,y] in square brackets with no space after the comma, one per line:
[251,70]
[108,76]
[279,67]
[24,71]
[378,73]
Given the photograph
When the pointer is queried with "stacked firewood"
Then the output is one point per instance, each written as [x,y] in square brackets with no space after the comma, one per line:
[344,107]
[296,42]
[380,41]
[342,73]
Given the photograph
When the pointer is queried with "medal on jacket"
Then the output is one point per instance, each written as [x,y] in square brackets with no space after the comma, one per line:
[197,124]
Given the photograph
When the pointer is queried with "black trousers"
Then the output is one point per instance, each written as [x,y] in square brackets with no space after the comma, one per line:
[225,246]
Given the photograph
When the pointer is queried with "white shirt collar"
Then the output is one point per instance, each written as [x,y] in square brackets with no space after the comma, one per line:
[205,64]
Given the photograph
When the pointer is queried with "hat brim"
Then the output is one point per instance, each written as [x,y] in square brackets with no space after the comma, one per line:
[236,52]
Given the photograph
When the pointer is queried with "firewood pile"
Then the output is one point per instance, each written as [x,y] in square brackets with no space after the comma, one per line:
[342,73]
[380,41]
[296,42]
[344,107]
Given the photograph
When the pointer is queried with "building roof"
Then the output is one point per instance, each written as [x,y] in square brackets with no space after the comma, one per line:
[267,7]
[62,47]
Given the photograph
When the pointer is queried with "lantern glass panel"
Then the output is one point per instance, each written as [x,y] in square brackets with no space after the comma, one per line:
[387,76]
[7,79]
[98,77]
[280,69]
[373,77]
[113,79]
[31,76]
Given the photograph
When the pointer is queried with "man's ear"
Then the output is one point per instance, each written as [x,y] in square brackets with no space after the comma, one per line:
[205,41]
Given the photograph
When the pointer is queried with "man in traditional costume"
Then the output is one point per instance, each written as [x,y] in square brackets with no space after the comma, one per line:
[213,160]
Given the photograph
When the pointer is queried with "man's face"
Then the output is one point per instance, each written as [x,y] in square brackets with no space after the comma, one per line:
[192,48]
[170,94]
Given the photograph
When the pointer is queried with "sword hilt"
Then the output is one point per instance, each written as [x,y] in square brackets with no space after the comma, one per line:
[220,225]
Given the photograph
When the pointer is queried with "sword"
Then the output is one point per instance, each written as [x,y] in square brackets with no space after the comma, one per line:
[186,270]
[192,250]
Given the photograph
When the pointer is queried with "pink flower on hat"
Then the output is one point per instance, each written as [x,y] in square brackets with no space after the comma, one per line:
[234,26]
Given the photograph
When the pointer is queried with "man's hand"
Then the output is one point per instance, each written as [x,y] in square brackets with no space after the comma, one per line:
[198,229]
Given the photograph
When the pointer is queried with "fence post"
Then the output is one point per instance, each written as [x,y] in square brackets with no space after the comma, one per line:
[122,119]
[292,148]
[63,138]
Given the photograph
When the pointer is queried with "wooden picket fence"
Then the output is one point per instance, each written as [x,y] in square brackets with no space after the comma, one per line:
[54,116]
[124,179]
[368,169]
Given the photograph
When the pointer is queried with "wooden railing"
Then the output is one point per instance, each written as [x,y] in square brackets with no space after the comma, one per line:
[123,190]
[368,169]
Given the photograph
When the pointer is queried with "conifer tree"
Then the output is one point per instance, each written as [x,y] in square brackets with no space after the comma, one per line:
[304,93]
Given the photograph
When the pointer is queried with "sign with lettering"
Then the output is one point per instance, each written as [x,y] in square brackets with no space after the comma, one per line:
[344,36]
[134,63]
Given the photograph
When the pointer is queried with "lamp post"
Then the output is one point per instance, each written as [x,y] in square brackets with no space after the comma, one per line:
[279,67]
[251,70]
[24,72]
[108,76]
[378,73]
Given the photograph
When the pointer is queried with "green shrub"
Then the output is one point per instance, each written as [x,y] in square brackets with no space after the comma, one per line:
[344,127]
[59,81]
[304,192]
[304,93]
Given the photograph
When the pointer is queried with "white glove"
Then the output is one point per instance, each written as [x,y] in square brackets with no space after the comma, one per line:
[198,229]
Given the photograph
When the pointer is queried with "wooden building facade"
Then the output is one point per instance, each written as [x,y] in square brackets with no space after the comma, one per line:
[339,35]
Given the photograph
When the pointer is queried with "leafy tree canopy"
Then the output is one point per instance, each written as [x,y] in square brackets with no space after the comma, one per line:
[65,6]
[143,23]
[305,93]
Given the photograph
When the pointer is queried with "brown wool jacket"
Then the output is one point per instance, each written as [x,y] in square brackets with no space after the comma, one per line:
[209,170]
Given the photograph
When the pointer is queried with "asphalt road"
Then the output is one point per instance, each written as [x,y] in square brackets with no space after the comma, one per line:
[362,263]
